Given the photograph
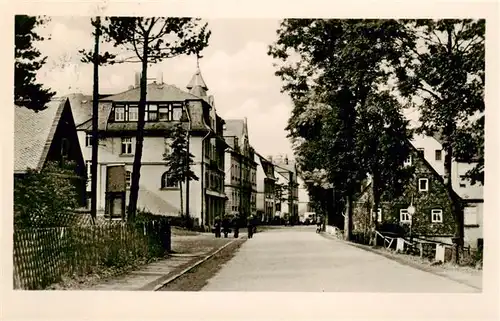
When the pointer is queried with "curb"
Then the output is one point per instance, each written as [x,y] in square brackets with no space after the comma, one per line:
[189,268]
[402,262]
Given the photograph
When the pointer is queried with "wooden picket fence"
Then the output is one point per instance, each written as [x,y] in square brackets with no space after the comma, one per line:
[43,256]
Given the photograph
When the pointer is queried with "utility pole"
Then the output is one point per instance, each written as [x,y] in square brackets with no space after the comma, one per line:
[95,110]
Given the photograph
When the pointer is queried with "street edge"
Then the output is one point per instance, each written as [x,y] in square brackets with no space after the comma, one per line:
[400,261]
[189,268]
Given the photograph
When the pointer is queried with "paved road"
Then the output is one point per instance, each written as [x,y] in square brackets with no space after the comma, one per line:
[298,259]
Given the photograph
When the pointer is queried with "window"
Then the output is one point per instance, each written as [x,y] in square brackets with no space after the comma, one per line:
[463,181]
[64,147]
[164,113]
[128,178]
[152,114]
[407,161]
[470,216]
[177,113]
[88,140]
[126,145]
[166,181]
[437,216]
[88,165]
[421,152]
[404,216]
[438,154]
[133,113]
[423,184]
[119,113]
[379,215]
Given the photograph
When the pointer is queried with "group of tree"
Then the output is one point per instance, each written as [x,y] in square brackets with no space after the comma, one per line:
[137,40]
[350,82]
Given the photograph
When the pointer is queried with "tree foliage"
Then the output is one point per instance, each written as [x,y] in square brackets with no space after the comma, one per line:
[334,71]
[28,60]
[179,160]
[148,41]
[45,198]
[444,68]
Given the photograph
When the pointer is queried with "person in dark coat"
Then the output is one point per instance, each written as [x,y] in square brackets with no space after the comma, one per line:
[235,223]
[217,226]
[225,226]
[250,226]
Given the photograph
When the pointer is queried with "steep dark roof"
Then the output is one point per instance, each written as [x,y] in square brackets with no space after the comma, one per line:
[154,92]
[34,132]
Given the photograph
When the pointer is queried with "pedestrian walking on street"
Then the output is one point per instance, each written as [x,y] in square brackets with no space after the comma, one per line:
[250,226]
[319,224]
[225,226]
[217,226]
[236,226]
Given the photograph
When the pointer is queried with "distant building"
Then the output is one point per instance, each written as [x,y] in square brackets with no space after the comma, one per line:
[266,192]
[288,199]
[241,180]
[166,106]
[48,136]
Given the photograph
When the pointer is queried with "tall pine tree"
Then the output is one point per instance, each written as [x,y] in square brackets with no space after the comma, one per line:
[28,60]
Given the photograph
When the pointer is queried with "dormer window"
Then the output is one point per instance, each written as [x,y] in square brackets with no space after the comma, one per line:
[133,113]
[153,112]
[119,113]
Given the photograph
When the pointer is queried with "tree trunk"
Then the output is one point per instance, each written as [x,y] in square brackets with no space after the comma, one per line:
[376,205]
[95,111]
[187,178]
[348,219]
[182,206]
[136,168]
[456,207]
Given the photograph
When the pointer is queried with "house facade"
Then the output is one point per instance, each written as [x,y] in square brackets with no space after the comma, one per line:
[241,176]
[166,106]
[287,187]
[265,189]
[471,195]
[433,218]
[48,136]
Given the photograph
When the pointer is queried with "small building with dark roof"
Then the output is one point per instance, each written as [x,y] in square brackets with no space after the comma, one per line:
[47,136]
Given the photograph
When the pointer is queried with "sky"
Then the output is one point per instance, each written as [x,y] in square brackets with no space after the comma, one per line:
[235,66]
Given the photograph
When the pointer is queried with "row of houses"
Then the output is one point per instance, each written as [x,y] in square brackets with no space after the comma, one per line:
[433,219]
[233,177]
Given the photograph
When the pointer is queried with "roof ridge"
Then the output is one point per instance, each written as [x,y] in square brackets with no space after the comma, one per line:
[52,131]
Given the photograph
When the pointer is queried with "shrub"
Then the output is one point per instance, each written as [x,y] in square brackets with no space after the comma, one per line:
[45,198]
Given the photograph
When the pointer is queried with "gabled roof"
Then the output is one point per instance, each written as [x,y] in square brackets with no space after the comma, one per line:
[155,92]
[34,132]
[81,106]
[234,127]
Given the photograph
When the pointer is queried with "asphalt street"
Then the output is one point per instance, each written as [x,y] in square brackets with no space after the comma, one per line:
[299,260]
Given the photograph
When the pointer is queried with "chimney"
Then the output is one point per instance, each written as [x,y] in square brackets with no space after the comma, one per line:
[137,80]
[286,159]
[159,78]
[270,158]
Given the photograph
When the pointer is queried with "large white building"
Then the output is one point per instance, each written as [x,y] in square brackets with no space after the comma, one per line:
[167,106]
